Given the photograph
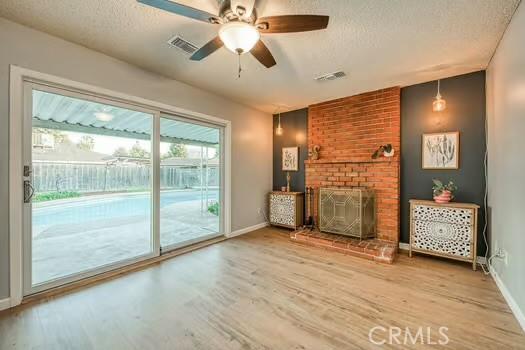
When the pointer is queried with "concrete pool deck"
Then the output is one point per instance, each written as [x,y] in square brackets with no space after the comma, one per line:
[66,249]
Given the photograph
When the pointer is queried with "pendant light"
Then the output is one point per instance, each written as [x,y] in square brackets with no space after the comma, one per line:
[439,103]
[279,129]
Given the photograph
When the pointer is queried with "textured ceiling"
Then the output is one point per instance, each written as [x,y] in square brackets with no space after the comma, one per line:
[378,43]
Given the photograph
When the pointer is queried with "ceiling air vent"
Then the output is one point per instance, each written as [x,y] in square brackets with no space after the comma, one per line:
[331,76]
[183,45]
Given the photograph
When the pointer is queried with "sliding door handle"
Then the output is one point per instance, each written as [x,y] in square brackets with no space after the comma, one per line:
[29,191]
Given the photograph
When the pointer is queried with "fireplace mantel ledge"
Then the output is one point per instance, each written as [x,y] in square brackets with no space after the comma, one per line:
[352,160]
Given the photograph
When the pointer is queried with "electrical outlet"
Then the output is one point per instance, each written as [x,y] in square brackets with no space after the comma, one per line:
[503,255]
[259,211]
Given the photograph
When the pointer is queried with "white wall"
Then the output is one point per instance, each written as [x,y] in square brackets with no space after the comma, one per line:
[251,129]
[506,145]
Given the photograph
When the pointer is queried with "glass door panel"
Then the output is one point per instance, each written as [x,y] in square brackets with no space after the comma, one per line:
[190,182]
[92,180]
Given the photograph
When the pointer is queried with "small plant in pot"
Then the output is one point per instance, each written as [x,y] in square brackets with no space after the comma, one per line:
[385,150]
[443,193]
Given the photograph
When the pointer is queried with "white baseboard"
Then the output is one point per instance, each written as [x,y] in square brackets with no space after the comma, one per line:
[5,303]
[247,229]
[514,307]
[406,246]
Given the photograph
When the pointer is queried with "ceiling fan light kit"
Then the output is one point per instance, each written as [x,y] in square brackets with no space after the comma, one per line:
[239,37]
[240,29]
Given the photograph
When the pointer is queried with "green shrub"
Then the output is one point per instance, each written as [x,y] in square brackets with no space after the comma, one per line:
[51,196]
[214,208]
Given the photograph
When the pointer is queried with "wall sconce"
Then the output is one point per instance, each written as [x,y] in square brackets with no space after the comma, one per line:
[279,129]
[439,103]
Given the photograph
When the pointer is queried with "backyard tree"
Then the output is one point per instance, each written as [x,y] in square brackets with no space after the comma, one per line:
[216,151]
[177,150]
[58,136]
[86,143]
[137,151]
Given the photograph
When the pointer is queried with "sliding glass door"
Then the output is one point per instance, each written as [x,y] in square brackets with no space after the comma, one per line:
[190,182]
[88,187]
[108,184]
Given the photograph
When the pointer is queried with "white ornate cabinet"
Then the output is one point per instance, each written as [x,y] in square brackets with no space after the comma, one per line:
[447,230]
[286,209]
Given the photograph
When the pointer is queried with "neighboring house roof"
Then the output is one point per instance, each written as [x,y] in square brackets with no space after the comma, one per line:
[69,152]
[193,162]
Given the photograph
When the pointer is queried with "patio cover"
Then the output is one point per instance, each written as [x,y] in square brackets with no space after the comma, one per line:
[55,111]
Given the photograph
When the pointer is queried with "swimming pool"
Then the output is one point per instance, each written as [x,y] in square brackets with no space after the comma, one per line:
[104,207]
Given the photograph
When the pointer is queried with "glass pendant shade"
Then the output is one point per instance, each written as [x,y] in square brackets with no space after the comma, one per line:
[239,37]
[279,129]
[439,104]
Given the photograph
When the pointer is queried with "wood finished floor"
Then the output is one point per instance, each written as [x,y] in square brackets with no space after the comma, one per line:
[261,291]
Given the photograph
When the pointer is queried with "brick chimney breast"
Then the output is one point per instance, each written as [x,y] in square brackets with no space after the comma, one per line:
[349,130]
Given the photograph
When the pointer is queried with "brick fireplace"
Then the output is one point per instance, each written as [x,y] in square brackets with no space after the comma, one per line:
[349,130]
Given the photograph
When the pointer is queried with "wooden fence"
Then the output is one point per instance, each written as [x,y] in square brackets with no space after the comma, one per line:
[80,177]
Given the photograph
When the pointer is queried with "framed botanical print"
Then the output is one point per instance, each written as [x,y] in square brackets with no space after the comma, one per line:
[290,158]
[440,150]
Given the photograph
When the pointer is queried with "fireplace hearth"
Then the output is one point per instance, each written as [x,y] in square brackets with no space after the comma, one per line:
[372,249]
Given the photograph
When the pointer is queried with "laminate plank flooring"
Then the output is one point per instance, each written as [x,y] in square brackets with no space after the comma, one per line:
[262,291]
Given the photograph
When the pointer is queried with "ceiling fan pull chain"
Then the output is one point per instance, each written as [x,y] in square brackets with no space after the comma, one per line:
[240,69]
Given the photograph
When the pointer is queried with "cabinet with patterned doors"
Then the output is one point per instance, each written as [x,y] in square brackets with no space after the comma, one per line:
[446,230]
[286,209]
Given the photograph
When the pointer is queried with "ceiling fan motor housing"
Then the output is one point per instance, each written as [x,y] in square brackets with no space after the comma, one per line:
[228,14]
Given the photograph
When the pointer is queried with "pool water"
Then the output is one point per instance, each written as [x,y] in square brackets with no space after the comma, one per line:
[103,207]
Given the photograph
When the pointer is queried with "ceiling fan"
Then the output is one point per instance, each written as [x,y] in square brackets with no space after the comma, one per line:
[240,28]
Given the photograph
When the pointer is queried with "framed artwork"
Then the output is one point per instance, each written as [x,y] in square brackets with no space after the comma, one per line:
[290,158]
[440,150]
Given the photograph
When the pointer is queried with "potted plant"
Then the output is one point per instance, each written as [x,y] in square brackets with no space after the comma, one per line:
[385,150]
[443,193]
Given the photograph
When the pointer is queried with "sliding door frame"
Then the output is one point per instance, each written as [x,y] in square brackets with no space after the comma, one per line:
[222,232]
[27,241]
[18,78]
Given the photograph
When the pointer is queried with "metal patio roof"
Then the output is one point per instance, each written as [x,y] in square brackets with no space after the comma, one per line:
[55,111]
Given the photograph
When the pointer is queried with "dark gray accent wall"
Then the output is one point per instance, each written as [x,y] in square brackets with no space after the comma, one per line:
[295,126]
[465,112]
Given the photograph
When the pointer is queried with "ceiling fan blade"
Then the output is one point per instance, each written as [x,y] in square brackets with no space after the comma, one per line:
[207,49]
[182,10]
[263,55]
[291,23]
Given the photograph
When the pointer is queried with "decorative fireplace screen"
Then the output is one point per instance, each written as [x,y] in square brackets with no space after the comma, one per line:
[347,211]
